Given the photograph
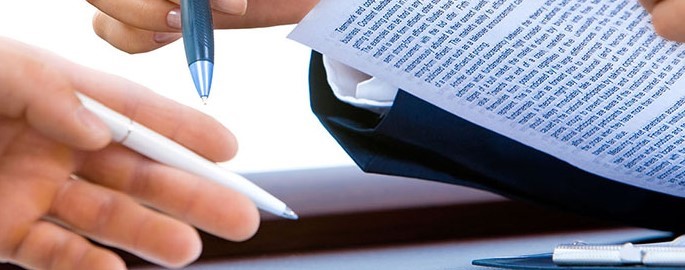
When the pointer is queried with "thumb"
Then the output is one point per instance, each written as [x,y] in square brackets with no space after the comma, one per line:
[34,89]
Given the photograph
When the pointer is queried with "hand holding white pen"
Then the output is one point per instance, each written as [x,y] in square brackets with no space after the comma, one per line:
[161,149]
[120,199]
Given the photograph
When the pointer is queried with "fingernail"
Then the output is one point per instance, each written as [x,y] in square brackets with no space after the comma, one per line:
[94,125]
[173,19]
[236,7]
[166,37]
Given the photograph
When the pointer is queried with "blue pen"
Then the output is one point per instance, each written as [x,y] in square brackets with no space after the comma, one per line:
[198,40]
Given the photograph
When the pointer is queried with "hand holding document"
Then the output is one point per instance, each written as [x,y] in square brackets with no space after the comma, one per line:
[588,82]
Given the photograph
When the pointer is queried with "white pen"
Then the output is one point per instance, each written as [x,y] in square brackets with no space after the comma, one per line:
[161,149]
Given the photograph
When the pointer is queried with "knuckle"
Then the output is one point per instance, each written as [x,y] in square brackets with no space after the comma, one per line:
[89,214]
[103,210]
[139,181]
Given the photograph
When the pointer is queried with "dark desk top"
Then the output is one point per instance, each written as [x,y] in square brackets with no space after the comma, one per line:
[351,220]
[450,254]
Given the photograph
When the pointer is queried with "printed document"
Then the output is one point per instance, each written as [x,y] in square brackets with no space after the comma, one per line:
[587,81]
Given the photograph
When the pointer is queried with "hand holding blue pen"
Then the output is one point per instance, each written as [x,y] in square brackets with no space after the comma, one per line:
[198,40]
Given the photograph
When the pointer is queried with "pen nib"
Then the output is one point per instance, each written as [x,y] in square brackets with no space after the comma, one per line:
[289,214]
[204,100]
[201,72]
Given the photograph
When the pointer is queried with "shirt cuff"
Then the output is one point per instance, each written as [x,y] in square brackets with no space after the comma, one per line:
[359,89]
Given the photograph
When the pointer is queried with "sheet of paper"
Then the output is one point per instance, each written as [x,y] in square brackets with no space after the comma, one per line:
[587,81]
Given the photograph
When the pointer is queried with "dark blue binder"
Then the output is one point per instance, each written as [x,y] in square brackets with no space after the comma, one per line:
[419,140]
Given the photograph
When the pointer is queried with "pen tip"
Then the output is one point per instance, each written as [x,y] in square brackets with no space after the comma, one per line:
[204,100]
[290,214]
[201,72]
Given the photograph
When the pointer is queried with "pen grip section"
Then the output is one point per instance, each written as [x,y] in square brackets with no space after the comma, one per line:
[198,30]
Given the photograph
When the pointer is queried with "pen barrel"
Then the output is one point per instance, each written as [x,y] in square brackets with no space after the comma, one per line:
[198,30]
[165,151]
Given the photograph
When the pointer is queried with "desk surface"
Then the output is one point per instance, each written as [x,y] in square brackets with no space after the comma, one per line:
[454,254]
[351,220]
[409,224]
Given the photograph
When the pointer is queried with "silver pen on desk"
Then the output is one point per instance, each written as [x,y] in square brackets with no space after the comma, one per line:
[663,254]
[163,150]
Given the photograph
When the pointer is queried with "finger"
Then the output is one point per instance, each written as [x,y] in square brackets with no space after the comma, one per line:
[128,38]
[143,14]
[114,219]
[668,17]
[191,128]
[48,246]
[137,38]
[31,86]
[232,7]
[205,204]
[264,13]
[152,14]
[648,4]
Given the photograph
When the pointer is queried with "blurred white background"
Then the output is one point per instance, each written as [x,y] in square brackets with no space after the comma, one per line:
[260,88]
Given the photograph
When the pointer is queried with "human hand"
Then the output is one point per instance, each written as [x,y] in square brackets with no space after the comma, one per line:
[62,181]
[138,26]
[668,17]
